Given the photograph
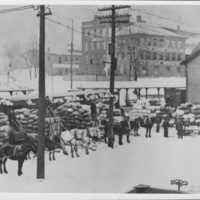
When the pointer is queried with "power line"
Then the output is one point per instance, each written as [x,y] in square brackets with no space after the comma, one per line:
[56,22]
[18,9]
[165,18]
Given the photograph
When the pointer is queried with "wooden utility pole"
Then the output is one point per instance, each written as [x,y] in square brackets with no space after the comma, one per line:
[71,59]
[41,103]
[112,19]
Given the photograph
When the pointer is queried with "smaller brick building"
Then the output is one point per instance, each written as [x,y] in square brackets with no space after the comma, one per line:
[59,63]
[192,66]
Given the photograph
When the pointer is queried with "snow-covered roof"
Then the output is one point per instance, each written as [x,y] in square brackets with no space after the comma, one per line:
[147,29]
[65,66]
[171,82]
[11,87]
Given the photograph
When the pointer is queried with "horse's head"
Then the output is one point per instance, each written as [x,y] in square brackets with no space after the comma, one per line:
[28,147]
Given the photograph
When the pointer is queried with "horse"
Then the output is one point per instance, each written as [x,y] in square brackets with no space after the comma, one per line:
[135,125]
[52,138]
[147,123]
[120,127]
[67,138]
[17,152]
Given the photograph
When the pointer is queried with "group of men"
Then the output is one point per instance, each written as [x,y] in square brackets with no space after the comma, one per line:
[166,125]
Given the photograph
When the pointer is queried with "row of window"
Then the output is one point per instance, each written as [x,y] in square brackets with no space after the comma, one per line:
[148,41]
[95,45]
[102,32]
[62,59]
[156,71]
[162,56]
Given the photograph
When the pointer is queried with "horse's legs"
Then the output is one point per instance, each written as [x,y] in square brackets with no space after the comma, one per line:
[149,132]
[1,172]
[54,155]
[72,151]
[76,150]
[127,137]
[20,164]
[50,155]
[4,165]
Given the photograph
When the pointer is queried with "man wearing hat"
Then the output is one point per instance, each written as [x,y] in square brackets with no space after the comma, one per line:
[179,127]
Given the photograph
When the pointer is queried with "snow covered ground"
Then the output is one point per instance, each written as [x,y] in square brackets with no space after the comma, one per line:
[153,161]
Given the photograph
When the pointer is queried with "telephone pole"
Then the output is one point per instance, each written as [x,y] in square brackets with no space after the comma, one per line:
[71,60]
[41,103]
[112,19]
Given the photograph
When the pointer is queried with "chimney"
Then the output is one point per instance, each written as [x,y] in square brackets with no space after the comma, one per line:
[178,27]
[139,18]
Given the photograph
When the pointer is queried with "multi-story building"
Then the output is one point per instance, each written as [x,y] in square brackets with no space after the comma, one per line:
[95,40]
[156,51]
[59,63]
[152,50]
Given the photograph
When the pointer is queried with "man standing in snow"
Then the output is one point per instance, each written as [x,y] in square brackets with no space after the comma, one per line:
[179,128]
[93,109]
[158,121]
[166,126]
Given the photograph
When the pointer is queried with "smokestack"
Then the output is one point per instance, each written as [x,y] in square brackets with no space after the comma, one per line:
[178,27]
[139,18]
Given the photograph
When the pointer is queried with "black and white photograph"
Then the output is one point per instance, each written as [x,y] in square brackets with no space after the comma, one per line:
[100,99]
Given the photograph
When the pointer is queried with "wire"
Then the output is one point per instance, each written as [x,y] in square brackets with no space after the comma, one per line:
[165,18]
[16,9]
[56,22]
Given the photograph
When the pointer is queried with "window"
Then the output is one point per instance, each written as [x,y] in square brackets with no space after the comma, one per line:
[179,44]
[77,59]
[154,56]
[88,34]
[155,41]
[167,56]
[173,43]
[66,59]
[95,45]
[144,71]
[156,70]
[161,42]
[148,41]
[141,54]
[104,45]
[95,32]
[141,41]
[168,71]
[59,59]
[160,56]
[173,57]
[86,46]
[98,45]
[179,70]
[167,43]
[179,58]
[148,55]
[104,32]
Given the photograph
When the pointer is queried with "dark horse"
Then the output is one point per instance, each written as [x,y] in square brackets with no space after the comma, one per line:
[17,152]
[147,122]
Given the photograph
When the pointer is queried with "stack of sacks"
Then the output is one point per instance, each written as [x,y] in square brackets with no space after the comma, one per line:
[4,137]
[28,119]
[3,119]
[75,116]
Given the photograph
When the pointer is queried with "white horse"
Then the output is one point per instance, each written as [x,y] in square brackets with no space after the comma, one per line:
[67,138]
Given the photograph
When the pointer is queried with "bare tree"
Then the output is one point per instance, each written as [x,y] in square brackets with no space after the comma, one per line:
[30,56]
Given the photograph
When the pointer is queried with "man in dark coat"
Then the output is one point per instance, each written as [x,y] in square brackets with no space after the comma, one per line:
[166,126]
[179,128]
[158,121]
[93,109]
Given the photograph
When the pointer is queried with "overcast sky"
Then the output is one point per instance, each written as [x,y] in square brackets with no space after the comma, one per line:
[19,27]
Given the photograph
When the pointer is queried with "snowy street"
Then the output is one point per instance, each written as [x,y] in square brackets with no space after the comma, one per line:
[153,161]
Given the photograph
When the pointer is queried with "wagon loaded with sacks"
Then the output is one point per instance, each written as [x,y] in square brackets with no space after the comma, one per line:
[189,113]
